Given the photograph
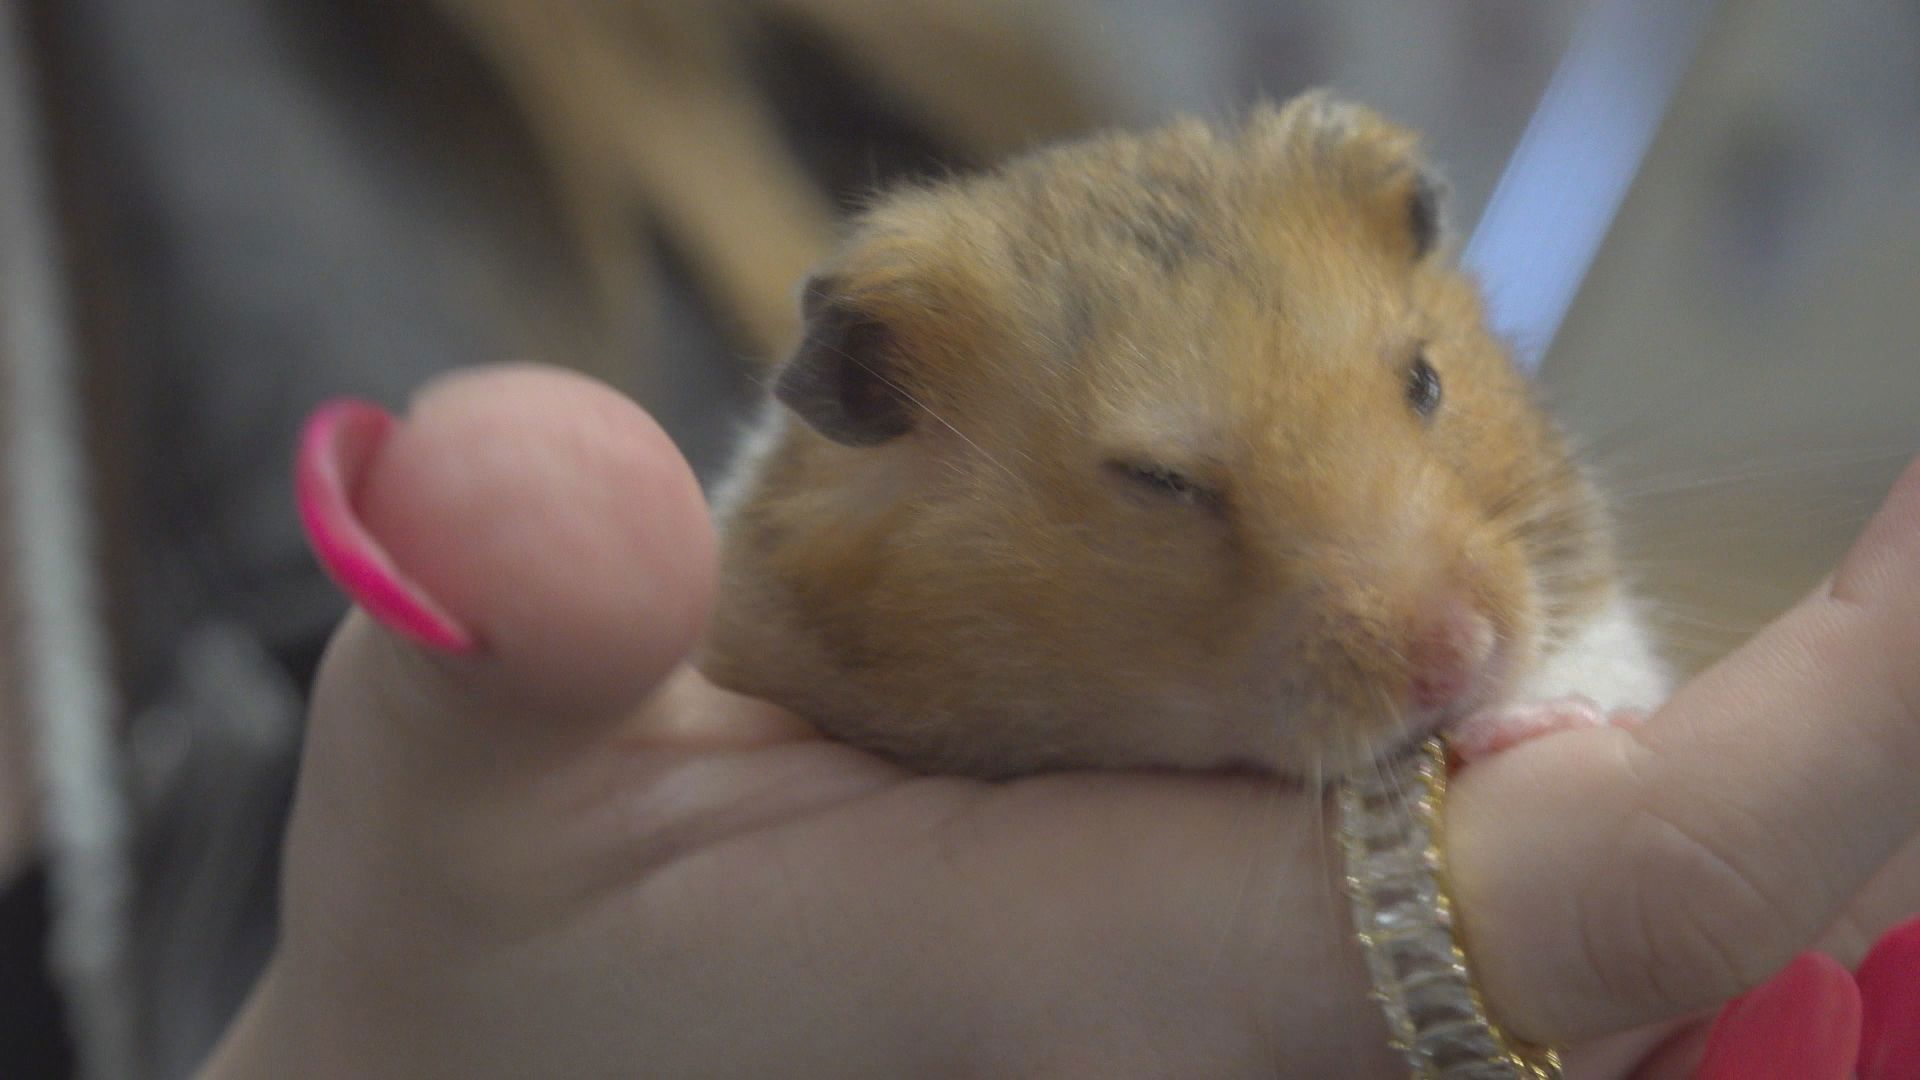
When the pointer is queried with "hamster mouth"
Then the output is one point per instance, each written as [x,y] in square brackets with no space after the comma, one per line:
[1487,688]
[1408,744]
[1418,729]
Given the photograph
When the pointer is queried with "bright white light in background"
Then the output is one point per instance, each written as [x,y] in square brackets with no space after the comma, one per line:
[1557,198]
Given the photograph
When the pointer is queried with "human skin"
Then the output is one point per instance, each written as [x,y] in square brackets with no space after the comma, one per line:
[563,853]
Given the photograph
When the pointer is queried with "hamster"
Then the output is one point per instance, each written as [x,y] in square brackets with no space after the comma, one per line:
[1185,449]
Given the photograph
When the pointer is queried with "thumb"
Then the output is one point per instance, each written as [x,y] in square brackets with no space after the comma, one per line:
[530,556]
[1629,876]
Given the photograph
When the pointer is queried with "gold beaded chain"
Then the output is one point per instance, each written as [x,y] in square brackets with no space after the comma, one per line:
[1396,877]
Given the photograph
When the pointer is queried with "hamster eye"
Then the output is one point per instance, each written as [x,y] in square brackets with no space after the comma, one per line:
[1423,386]
[1165,482]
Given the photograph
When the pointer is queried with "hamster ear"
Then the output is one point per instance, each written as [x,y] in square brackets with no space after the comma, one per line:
[1425,211]
[841,378]
[1375,162]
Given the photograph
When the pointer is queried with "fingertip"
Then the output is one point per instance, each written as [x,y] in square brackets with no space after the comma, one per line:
[531,509]
[1887,555]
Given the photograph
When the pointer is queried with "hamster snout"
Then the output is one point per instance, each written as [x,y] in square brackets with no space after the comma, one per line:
[1448,653]
[1379,643]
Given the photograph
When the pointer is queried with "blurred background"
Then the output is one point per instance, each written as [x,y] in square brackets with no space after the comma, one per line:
[254,205]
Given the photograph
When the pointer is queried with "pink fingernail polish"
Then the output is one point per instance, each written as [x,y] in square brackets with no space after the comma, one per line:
[1889,981]
[336,446]
[1803,1023]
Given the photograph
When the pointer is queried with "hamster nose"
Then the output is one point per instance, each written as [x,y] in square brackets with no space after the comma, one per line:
[1450,643]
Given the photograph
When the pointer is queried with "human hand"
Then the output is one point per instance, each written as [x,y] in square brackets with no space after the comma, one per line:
[1787,719]
[561,852]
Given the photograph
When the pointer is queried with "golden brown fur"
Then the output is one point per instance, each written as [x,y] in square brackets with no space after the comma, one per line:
[992,593]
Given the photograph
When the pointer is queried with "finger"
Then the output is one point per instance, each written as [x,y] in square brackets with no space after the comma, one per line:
[1892,897]
[1618,877]
[538,557]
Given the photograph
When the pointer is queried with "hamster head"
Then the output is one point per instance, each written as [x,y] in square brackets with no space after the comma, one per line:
[1184,449]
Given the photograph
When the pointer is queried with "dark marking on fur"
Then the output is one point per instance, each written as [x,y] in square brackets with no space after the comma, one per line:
[1168,237]
[1423,212]
[1166,226]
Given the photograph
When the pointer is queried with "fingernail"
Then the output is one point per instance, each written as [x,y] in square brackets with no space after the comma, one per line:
[1803,1023]
[337,445]
[1889,980]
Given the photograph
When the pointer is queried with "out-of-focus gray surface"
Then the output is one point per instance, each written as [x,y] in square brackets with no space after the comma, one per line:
[1745,358]
[1465,73]
[53,591]
[294,213]
[284,203]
